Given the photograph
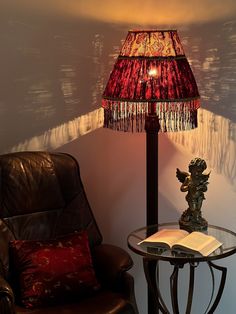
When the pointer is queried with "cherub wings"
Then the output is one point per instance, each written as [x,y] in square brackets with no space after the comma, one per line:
[205,177]
[181,175]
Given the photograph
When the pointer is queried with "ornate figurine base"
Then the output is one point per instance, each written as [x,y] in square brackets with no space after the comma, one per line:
[190,222]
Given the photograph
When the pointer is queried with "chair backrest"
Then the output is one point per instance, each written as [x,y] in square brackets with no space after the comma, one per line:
[41,197]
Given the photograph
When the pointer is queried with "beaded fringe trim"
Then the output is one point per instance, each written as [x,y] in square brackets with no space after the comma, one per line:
[130,117]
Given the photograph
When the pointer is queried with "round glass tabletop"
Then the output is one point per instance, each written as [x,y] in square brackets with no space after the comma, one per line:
[225,236]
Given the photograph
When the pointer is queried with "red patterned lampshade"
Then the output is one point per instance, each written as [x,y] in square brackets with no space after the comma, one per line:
[151,74]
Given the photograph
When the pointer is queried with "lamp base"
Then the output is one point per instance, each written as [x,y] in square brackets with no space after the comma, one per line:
[192,221]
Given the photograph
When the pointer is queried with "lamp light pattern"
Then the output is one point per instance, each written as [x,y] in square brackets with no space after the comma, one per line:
[151,73]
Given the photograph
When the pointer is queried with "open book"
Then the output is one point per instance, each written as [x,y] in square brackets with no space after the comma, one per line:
[181,240]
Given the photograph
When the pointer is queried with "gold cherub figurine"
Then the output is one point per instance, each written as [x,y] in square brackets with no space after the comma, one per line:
[195,183]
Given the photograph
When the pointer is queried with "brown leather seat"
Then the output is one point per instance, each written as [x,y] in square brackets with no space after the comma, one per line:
[42,197]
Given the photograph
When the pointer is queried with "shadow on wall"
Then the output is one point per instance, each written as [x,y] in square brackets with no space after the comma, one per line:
[213,58]
[64,133]
[214,140]
[211,49]
[170,212]
[53,72]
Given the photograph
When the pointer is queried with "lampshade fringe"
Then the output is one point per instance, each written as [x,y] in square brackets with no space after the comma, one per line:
[130,117]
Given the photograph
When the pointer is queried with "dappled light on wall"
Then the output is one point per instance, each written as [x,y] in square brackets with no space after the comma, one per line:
[48,79]
[214,65]
[54,68]
[62,134]
[214,140]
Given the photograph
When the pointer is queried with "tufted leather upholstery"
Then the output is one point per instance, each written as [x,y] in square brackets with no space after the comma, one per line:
[41,197]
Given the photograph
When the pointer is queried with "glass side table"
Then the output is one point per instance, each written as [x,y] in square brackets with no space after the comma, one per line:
[151,257]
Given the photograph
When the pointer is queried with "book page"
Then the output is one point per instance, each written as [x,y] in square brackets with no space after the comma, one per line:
[165,237]
[198,242]
[211,247]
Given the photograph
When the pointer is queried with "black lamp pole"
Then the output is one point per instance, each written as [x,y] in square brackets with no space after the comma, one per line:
[152,128]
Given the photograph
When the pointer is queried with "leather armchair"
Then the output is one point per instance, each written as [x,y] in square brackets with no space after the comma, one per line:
[42,197]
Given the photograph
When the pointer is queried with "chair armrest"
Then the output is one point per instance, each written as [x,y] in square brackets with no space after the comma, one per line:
[110,263]
[6,297]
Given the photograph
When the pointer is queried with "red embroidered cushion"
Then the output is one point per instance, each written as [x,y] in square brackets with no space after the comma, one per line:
[53,270]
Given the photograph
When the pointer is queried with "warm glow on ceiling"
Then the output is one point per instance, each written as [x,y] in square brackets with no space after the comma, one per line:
[140,12]
[157,11]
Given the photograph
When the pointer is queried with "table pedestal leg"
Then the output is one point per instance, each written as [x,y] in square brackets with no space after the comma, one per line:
[174,287]
[153,283]
[223,271]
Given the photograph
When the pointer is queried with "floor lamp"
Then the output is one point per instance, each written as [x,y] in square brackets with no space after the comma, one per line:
[151,88]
